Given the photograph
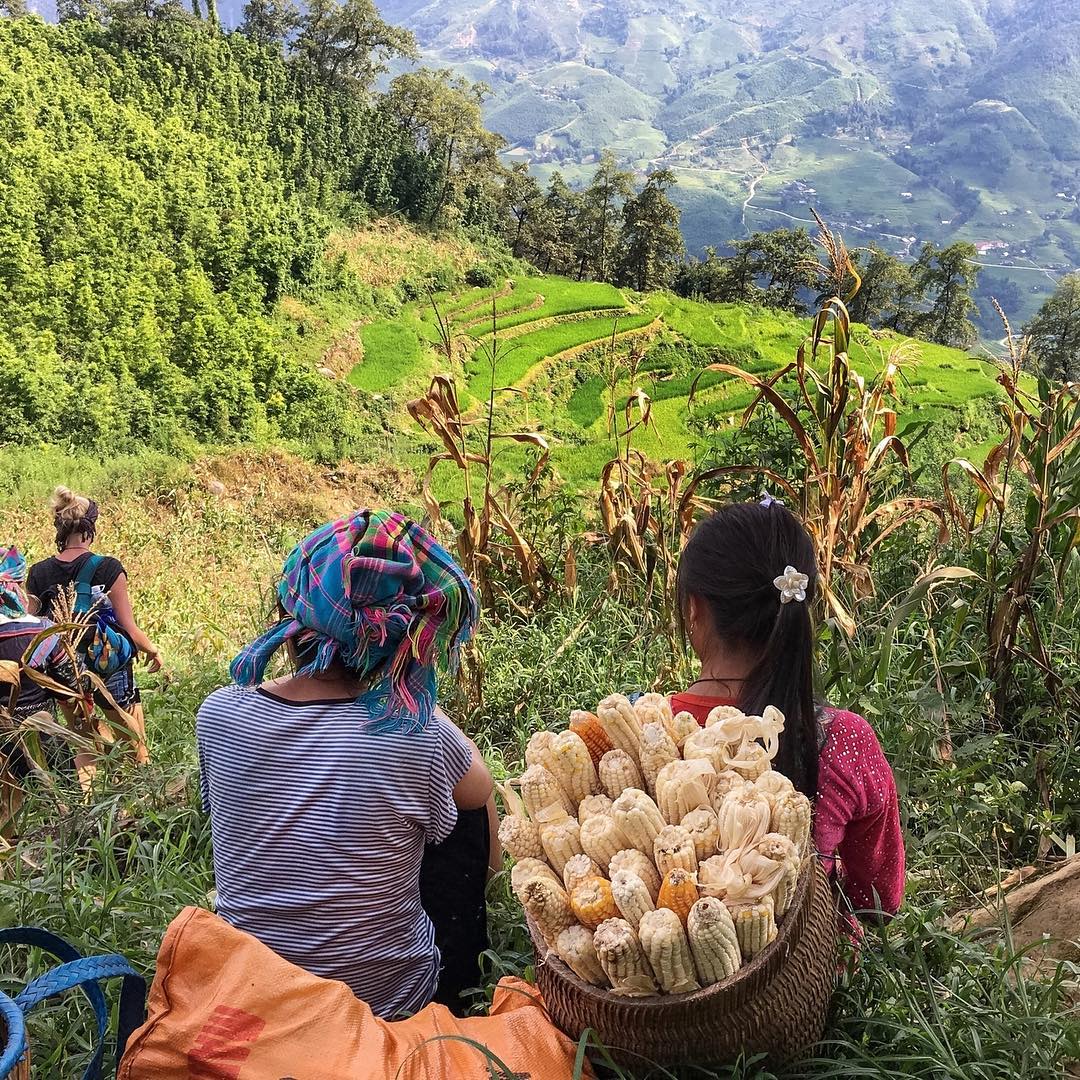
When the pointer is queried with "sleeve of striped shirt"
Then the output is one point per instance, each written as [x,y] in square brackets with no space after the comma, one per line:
[204,773]
[450,763]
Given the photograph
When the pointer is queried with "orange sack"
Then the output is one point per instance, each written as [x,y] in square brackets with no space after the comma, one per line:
[225,1007]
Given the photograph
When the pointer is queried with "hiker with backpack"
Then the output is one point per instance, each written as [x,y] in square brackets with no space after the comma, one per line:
[113,639]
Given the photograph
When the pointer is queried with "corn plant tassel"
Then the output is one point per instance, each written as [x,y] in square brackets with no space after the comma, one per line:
[623,959]
[619,771]
[713,940]
[639,818]
[577,951]
[640,864]
[666,948]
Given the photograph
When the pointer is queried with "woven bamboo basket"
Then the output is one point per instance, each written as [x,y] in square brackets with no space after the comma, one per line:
[775,1005]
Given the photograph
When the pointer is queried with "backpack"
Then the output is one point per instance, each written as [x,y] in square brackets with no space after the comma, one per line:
[105,648]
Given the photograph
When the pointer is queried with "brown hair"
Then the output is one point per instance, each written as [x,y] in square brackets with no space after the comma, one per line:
[72,514]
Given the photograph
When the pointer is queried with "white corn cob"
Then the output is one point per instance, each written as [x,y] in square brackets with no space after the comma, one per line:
[618,719]
[653,709]
[594,804]
[713,940]
[668,951]
[639,818]
[772,785]
[619,771]
[573,767]
[526,870]
[540,789]
[560,837]
[683,786]
[682,726]
[781,849]
[520,837]
[791,817]
[623,959]
[704,831]
[750,761]
[548,906]
[657,750]
[674,848]
[743,818]
[576,950]
[708,745]
[729,719]
[592,902]
[637,862]
[538,749]
[726,781]
[577,870]
[601,837]
[722,875]
[755,925]
[631,895]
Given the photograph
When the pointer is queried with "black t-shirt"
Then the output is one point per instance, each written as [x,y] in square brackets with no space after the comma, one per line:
[50,575]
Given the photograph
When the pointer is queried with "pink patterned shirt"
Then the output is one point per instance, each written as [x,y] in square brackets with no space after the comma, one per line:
[856,814]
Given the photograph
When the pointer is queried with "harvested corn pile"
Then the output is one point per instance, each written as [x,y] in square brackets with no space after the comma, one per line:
[656,856]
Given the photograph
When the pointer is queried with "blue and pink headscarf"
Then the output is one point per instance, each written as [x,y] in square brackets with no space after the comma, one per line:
[377,592]
[12,577]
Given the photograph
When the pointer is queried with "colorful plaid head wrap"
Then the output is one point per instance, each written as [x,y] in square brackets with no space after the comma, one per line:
[12,575]
[375,591]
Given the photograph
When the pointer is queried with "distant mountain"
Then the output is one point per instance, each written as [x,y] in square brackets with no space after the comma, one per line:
[901,120]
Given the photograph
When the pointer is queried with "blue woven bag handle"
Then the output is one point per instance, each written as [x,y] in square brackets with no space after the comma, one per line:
[15,1026]
[83,972]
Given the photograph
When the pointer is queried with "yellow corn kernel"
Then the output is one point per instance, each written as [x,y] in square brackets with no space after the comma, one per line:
[577,870]
[683,786]
[679,892]
[657,750]
[601,838]
[527,869]
[589,729]
[755,925]
[619,771]
[668,951]
[639,818]
[540,789]
[623,959]
[743,818]
[653,709]
[682,726]
[548,906]
[572,767]
[772,785]
[707,745]
[560,837]
[702,826]
[631,896]
[520,837]
[593,805]
[674,847]
[713,940]
[577,951]
[592,902]
[620,722]
[637,862]
[791,817]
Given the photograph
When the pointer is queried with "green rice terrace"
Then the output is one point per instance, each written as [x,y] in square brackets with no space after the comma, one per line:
[554,340]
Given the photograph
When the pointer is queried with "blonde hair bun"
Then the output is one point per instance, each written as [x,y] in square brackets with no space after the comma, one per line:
[67,505]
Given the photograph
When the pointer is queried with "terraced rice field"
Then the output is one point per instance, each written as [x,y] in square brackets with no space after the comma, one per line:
[550,339]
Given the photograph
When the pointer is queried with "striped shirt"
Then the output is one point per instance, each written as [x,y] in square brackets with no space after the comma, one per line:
[319,826]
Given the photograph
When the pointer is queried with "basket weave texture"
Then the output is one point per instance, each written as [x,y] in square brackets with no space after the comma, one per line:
[776,1004]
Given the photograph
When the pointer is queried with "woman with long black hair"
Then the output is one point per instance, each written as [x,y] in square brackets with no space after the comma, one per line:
[746,582]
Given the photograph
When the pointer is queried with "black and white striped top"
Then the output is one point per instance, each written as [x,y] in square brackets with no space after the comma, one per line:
[319,826]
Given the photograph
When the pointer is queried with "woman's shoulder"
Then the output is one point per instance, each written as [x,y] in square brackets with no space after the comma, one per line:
[847,735]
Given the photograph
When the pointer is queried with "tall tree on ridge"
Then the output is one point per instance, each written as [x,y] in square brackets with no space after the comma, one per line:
[651,244]
[598,222]
[1055,332]
[950,276]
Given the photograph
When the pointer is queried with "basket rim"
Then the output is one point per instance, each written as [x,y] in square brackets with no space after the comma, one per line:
[760,969]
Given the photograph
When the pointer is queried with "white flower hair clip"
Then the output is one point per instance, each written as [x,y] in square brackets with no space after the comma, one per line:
[792,585]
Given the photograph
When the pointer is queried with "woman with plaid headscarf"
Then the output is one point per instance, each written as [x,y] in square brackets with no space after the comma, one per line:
[326,786]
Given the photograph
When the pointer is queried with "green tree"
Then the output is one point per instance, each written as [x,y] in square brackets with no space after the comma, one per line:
[597,226]
[705,279]
[270,21]
[651,245]
[891,294]
[948,275]
[1055,332]
[523,200]
[554,226]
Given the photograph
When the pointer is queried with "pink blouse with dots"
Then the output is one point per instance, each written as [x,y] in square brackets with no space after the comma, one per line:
[856,813]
